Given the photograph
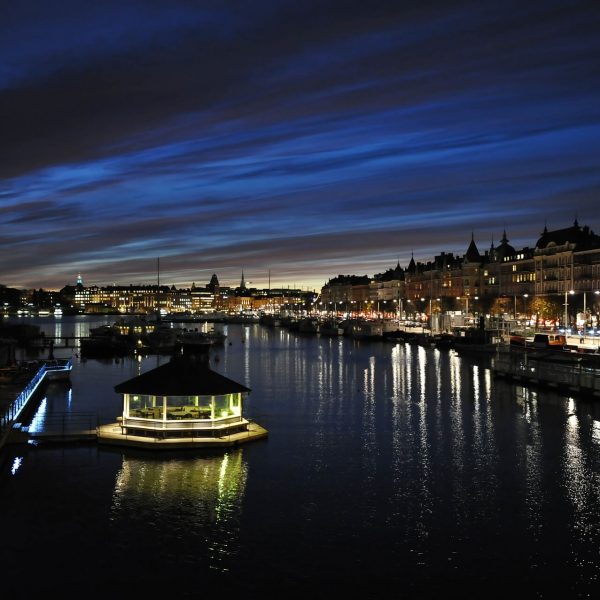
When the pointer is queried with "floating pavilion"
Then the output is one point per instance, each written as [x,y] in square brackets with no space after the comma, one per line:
[182,404]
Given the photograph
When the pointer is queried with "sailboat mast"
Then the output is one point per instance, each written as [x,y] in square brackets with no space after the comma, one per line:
[158,289]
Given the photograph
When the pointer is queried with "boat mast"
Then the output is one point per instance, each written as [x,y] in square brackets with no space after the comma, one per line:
[158,289]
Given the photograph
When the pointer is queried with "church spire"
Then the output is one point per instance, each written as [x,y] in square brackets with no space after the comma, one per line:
[472,254]
[412,265]
[243,282]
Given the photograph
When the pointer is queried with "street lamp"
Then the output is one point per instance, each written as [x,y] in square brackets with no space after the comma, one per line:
[597,292]
[525,296]
[431,314]
[566,308]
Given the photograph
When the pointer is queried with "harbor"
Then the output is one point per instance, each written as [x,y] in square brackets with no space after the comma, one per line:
[445,460]
[575,369]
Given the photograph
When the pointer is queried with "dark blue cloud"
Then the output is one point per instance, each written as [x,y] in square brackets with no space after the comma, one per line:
[306,138]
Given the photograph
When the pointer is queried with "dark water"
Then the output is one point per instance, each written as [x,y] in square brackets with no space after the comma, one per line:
[389,470]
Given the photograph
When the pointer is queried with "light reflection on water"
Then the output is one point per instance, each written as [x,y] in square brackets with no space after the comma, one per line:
[200,499]
[384,462]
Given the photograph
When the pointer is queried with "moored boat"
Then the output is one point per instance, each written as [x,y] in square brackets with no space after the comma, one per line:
[330,327]
[308,325]
[269,320]
[362,329]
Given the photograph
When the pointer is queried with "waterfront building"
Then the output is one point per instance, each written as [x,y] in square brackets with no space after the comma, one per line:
[346,292]
[198,299]
[387,291]
[509,276]
[567,259]
[500,281]
[214,288]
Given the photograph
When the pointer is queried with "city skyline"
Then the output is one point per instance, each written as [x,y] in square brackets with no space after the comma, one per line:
[288,140]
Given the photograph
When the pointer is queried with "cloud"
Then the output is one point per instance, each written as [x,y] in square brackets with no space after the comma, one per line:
[305,136]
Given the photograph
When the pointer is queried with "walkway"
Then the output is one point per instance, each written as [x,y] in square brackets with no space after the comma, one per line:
[48,370]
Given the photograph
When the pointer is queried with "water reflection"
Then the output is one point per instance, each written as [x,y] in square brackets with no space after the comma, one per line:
[582,490]
[596,432]
[192,504]
[369,439]
[384,462]
[39,418]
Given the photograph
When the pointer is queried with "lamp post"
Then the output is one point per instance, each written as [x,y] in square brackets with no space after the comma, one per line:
[566,309]
[597,292]
[525,296]
[430,316]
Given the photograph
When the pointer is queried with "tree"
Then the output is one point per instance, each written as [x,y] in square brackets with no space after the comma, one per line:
[545,307]
[501,305]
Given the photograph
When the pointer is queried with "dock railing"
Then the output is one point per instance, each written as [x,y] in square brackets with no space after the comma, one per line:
[11,415]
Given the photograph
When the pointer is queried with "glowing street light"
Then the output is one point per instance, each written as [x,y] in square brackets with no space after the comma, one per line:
[566,308]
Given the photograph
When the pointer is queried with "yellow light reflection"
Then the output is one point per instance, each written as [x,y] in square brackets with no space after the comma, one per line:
[198,495]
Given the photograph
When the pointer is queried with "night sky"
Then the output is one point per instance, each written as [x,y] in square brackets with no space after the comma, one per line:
[308,139]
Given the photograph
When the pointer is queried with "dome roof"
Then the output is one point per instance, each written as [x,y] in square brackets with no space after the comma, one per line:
[582,237]
[504,249]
